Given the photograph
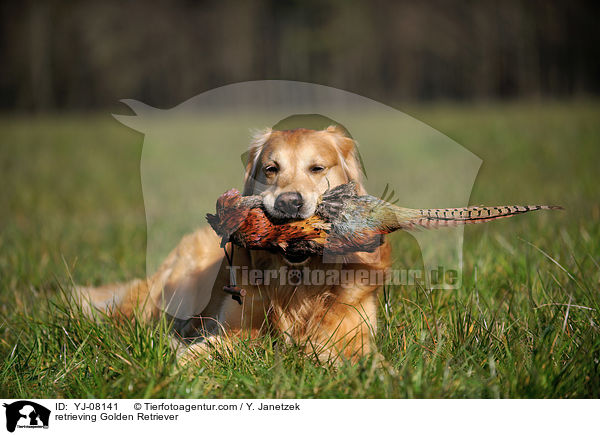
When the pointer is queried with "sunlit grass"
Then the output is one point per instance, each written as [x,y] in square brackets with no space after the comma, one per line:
[524,324]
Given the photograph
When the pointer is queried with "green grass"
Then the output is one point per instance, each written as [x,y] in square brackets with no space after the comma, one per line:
[524,324]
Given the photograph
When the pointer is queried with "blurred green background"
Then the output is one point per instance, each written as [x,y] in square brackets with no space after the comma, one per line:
[82,54]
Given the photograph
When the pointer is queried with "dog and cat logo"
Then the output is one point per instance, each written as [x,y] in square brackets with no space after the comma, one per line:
[26,414]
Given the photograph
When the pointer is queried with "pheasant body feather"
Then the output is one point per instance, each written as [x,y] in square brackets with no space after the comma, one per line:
[343,222]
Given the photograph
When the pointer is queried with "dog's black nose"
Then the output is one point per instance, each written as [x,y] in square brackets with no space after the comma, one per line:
[289,203]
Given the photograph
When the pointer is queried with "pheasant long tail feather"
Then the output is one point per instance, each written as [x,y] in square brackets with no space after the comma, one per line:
[445,217]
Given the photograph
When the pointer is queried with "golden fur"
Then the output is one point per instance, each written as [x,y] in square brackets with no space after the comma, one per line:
[327,320]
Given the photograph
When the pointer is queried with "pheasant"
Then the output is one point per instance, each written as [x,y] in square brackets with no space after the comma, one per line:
[343,222]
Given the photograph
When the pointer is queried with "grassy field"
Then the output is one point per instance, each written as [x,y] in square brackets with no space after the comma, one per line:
[525,323]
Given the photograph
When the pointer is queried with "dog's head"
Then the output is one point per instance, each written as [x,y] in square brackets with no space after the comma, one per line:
[292,168]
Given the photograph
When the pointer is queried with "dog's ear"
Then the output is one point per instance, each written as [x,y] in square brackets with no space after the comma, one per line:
[349,156]
[259,139]
[338,131]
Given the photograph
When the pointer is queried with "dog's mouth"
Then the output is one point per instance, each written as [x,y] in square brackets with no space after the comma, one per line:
[278,217]
[296,259]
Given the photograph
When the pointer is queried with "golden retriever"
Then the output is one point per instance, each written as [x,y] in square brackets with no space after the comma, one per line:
[290,169]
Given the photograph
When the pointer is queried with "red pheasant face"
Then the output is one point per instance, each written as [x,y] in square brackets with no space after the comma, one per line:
[295,167]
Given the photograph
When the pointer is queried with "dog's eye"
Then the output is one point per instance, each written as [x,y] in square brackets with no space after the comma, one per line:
[271,169]
[316,169]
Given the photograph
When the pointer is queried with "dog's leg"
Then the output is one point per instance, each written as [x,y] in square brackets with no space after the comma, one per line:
[184,281]
[345,331]
[224,344]
[345,327]
[119,299]
[233,323]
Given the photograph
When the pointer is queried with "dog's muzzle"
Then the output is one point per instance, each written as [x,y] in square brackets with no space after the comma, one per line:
[289,204]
